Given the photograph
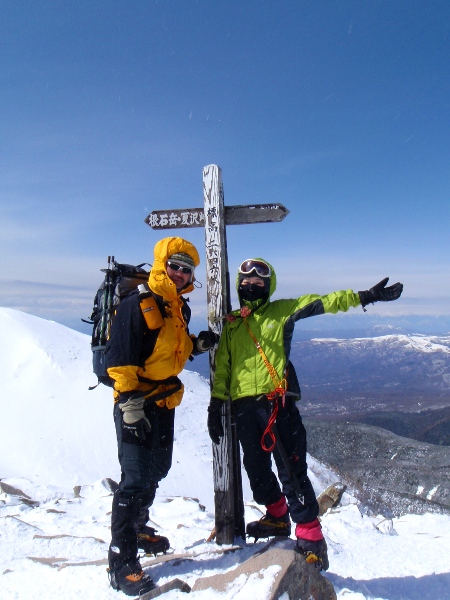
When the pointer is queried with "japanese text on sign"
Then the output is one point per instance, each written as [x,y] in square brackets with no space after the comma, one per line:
[182,218]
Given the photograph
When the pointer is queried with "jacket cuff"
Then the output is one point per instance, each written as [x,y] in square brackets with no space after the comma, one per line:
[124,396]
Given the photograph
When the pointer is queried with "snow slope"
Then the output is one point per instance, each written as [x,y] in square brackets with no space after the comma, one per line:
[55,434]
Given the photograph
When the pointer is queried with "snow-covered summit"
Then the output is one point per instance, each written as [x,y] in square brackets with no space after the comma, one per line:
[54,429]
[55,434]
[58,431]
[419,342]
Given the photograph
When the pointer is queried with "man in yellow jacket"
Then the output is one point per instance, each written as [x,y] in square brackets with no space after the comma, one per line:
[148,347]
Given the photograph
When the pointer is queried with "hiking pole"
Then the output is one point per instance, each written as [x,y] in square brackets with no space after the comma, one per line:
[103,305]
[111,291]
[108,296]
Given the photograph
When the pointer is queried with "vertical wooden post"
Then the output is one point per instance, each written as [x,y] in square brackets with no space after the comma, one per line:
[229,507]
[214,216]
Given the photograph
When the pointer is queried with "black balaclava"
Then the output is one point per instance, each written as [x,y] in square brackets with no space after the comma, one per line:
[252,293]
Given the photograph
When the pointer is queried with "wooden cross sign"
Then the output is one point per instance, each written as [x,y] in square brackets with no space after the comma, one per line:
[214,216]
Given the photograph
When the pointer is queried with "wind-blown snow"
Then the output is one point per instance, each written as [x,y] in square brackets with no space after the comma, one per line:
[55,434]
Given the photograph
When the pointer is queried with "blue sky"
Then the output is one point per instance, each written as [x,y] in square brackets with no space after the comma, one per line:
[337,109]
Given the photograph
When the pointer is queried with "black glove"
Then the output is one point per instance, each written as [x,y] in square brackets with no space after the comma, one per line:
[215,427]
[381,293]
[140,429]
[205,340]
[134,421]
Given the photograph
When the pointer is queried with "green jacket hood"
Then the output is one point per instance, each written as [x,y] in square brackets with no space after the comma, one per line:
[272,288]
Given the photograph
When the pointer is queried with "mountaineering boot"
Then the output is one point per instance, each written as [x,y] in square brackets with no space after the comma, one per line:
[130,579]
[269,526]
[314,552]
[311,544]
[147,540]
[151,543]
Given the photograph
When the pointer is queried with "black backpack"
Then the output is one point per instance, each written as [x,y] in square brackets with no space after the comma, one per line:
[119,281]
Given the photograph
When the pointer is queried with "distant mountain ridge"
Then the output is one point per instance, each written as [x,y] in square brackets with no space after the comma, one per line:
[399,382]
[385,365]
[430,426]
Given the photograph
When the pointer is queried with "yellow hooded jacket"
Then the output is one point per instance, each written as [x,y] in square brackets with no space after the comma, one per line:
[135,361]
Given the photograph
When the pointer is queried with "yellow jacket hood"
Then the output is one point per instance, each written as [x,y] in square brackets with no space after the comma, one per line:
[159,281]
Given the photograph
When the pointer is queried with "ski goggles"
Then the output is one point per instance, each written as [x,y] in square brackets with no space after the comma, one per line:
[261,268]
[176,267]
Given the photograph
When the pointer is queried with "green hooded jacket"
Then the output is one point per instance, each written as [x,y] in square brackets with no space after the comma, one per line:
[240,370]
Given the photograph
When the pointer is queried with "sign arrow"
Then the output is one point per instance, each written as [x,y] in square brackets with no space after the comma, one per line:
[254,213]
[234,215]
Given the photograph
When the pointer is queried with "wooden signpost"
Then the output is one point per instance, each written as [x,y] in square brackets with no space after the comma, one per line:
[214,216]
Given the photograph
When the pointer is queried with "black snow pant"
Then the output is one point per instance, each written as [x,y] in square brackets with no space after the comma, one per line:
[143,466]
[252,416]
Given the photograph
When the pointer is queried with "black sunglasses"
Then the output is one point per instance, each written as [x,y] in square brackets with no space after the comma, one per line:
[175,267]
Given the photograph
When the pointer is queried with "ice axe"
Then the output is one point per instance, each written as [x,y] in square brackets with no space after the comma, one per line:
[288,465]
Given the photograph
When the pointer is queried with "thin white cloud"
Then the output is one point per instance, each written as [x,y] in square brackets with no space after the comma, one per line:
[64,304]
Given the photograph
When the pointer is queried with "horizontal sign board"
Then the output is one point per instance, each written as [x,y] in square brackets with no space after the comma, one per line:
[234,215]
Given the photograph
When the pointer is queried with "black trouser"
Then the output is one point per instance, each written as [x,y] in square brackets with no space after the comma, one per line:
[252,417]
[143,465]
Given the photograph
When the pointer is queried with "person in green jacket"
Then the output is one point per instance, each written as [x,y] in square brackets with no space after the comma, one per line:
[252,367]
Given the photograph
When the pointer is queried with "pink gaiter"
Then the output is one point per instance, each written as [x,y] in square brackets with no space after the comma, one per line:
[309,531]
[278,509]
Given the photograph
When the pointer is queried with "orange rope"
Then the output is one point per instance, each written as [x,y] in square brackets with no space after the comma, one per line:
[268,431]
[273,374]
[278,392]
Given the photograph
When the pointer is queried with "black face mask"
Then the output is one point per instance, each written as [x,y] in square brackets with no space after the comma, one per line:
[251,292]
